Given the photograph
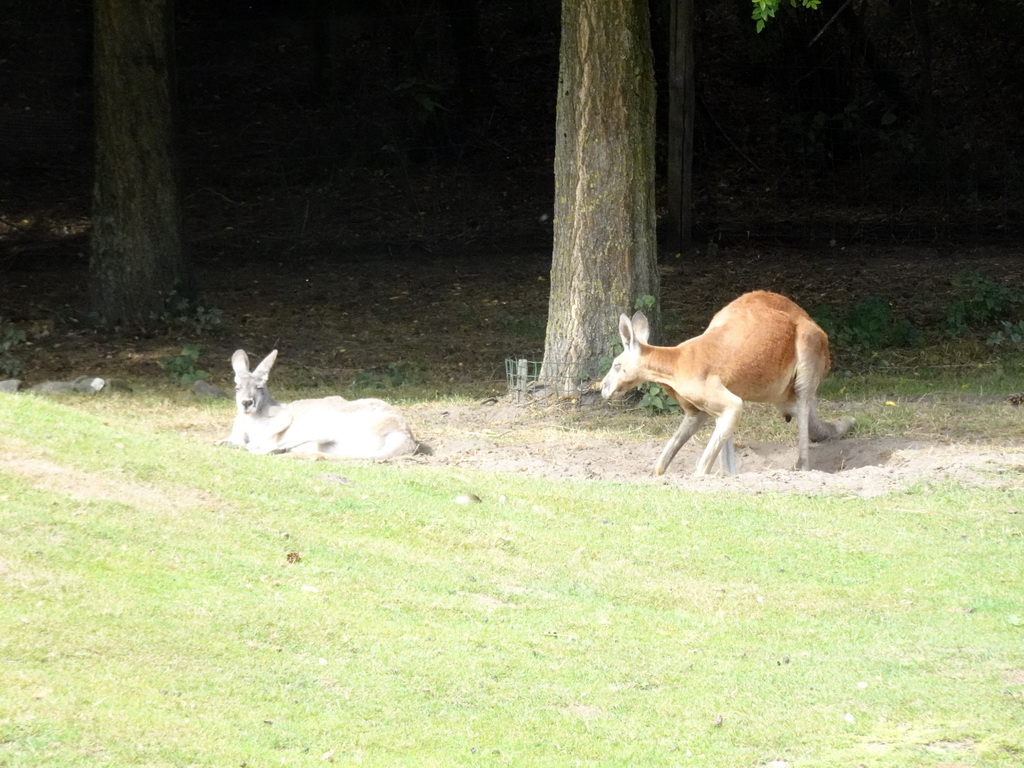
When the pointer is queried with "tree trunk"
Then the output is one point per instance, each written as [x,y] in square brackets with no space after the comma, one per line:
[681,104]
[137,260]
[604,256]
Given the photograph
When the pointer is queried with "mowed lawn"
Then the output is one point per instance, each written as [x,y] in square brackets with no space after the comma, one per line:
[164,602]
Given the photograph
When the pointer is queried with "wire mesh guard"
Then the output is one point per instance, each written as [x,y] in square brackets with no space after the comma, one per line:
[523,379]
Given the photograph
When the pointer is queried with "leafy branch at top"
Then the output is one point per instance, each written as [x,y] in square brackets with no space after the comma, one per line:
[765,9]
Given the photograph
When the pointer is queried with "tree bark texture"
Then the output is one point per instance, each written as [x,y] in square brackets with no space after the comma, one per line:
[137,258]
[605,254]
[682,100]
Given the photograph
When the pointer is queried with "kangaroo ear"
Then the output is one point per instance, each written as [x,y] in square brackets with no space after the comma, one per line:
[263,369]
[625,331]
[641,328]
[240,363]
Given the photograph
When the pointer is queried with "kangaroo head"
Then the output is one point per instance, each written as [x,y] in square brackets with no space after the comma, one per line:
[251,387]
[627,369]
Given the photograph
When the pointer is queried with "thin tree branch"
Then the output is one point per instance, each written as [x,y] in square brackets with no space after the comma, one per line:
[726,136]
[829,23]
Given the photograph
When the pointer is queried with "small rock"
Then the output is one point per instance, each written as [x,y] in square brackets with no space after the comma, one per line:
[467,498]
[88,385]
[53,388]
[201,388]
[11,385]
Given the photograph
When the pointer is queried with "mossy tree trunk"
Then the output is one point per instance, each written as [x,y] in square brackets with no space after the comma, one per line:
[137,258]
[604,256]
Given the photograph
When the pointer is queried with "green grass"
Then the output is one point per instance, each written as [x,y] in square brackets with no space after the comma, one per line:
[151,614]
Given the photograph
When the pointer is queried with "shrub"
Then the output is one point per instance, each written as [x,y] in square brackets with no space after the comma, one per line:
[182,368]
[868,325]
[981,303]
[11,337]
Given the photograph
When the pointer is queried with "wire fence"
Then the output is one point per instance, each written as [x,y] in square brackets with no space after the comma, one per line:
[524,382]
[793,141]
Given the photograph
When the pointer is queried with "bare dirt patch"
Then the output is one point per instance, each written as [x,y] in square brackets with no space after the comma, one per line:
[497,436]
[91,486]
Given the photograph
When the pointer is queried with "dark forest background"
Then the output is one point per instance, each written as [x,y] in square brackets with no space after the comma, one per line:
[434,120]
[360,132]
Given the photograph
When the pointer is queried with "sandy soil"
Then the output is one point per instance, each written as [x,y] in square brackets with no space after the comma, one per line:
[498,436]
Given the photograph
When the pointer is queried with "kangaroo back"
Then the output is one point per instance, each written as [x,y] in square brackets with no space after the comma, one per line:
[349,429]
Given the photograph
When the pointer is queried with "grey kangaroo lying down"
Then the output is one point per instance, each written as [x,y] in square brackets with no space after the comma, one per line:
[329,426]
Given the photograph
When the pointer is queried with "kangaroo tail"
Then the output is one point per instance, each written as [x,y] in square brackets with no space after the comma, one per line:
[820,430]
